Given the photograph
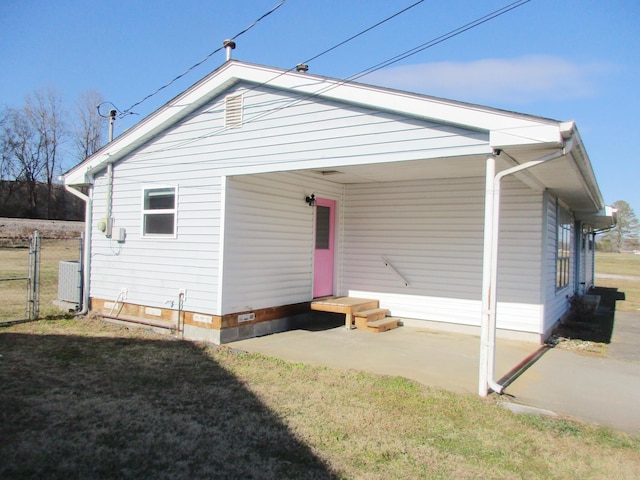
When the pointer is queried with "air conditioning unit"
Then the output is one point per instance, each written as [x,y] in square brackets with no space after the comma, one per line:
[70,282]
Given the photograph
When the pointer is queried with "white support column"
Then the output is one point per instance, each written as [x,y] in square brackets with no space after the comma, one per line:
[485,346]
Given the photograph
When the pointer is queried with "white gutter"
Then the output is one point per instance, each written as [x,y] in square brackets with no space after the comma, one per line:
[86,260]
[490,265]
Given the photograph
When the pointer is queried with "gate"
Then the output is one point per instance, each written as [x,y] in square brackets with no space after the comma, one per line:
[19,292]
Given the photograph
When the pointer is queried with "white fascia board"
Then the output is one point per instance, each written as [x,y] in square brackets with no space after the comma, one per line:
[506,128]
[583,163]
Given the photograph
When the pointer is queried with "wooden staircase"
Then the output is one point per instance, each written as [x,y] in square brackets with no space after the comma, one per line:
[366,313]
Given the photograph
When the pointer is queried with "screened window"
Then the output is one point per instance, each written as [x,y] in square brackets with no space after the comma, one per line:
[159,211]
[563,250]
[323,227]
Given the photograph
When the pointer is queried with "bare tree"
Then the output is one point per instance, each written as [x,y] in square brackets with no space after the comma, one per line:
[89,127]
[44,110]
[34,150]
[22,154]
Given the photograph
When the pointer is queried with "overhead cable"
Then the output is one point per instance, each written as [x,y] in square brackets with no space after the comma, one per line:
[440,39]
[253,24]
[362,73]
[390,61]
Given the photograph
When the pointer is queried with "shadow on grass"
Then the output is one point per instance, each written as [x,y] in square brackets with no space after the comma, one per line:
[78,407]
[594,326]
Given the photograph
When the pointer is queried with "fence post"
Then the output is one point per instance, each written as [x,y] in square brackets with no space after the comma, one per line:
[33,304]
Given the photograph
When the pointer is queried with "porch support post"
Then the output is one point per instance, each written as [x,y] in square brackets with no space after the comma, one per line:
[486,349]
[490,264]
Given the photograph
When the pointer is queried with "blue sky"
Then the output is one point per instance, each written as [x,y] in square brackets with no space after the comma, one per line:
[564,59]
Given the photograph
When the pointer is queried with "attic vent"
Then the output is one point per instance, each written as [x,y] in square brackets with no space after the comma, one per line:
[233,111]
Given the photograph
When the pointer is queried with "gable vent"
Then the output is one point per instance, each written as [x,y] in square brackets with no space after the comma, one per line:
[233,111]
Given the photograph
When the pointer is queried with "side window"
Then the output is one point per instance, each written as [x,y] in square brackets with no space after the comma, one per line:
[159,212]
[563,248]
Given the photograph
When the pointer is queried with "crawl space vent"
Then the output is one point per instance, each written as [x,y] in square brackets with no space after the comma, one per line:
[233,111]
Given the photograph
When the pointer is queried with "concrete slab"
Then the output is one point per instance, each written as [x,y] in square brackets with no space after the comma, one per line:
[600,390]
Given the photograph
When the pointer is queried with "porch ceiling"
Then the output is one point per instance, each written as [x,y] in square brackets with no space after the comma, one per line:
[469,166]
[560,176]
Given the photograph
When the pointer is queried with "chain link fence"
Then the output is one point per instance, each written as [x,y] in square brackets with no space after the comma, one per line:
[30,266]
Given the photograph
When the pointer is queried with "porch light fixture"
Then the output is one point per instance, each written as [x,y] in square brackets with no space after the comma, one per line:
[311,200]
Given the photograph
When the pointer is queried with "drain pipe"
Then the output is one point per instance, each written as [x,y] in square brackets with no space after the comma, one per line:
[86,260]
[490,264]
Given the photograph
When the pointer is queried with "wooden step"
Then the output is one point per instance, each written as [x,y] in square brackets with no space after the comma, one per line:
[372,314]
[382,325]
[346,305]
[363,317]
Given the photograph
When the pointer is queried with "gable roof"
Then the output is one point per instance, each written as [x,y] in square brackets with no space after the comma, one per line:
[521,136]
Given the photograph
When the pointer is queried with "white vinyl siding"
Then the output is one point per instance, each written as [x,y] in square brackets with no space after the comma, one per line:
[154,269]
[281,131]
[431,232]
[268,258]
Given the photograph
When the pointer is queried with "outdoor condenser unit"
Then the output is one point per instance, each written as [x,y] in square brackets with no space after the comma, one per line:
[70,282]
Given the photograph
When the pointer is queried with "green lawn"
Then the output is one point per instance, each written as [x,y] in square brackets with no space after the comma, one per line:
[621,264]
[85,399]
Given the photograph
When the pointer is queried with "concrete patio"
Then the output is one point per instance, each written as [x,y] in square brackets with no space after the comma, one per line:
[605,391]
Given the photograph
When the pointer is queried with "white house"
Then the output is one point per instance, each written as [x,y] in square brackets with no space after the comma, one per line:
[199,217]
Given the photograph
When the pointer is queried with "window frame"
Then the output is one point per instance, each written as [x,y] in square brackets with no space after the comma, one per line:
[564,247]
[145,212]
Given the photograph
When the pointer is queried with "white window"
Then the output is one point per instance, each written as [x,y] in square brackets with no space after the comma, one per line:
[563,247]
[159,212]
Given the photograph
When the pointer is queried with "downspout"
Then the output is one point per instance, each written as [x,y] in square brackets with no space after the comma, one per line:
[490,264]
[86,260]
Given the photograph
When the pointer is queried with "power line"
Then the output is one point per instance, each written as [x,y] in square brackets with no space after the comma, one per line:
[457,31]
[355,76]
[290,69]
[363,31]
[253,24]
[440,39]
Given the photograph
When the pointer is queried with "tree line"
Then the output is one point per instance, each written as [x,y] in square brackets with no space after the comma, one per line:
[38,141]
[624,236]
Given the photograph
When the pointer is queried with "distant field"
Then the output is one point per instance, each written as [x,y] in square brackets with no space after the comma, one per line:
[625,265]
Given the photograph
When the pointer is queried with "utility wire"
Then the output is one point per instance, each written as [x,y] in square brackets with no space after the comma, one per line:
[360,74]
[440,39]
[390,61]
[306,61]
[128,110]
[364,31]
[402,56]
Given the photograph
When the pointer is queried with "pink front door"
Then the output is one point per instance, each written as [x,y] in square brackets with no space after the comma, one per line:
[324,247]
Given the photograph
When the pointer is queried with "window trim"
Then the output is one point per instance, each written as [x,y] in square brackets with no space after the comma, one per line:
[163,211]
[564,247]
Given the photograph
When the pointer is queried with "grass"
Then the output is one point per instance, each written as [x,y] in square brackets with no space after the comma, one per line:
[15,263]
[618,264]
[86,399]
[13,294]
[621,264]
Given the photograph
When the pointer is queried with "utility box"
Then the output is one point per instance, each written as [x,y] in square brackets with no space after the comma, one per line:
[70,282]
